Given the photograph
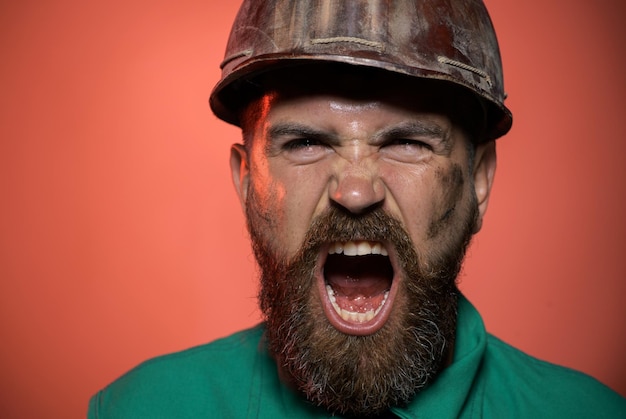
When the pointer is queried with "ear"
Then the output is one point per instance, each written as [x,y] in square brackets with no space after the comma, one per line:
[240,171]
[484,172]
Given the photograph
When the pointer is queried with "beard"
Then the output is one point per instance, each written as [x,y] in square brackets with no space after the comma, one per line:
[360,375]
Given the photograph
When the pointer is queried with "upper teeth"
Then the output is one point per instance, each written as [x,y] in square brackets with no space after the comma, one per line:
[352,248]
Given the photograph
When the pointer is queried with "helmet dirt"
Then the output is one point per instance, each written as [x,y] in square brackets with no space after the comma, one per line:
[450,40]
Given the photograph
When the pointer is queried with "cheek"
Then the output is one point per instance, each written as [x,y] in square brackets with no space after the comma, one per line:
[265,197]
[451,184]
[265,192]
[261,215]
[284,200]
[305,198]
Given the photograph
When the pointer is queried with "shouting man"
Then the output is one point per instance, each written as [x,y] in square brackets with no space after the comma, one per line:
[366,166]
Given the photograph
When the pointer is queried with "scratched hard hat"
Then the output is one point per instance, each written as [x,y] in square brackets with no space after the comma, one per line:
[449,40]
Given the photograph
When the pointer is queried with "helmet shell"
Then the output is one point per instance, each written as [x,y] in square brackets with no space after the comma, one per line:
[450,40]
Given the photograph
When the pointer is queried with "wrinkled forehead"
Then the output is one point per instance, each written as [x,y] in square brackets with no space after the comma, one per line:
[366,84]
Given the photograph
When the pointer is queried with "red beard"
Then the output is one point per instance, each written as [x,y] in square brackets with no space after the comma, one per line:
[360,375]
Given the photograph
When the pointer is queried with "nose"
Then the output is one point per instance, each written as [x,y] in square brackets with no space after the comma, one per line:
[357,189]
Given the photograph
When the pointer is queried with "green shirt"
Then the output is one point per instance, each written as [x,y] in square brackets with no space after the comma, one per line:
[236,378]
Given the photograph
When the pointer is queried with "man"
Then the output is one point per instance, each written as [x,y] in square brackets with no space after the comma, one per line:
[366,166]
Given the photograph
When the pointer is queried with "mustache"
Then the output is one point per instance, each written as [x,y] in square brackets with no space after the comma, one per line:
[335,225]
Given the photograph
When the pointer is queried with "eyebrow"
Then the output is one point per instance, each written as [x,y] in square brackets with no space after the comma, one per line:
[413,128]
[421,129]
[407,129]
[295,130]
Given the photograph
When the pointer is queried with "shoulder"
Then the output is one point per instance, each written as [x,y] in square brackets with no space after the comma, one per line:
[514,378]
[182,384]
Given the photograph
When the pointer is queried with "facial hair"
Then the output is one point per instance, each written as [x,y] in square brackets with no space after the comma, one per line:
[359,375]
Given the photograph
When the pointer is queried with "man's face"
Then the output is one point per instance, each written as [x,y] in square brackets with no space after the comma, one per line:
[360,207]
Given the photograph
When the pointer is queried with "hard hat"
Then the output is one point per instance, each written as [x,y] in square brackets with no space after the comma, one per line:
[450,40]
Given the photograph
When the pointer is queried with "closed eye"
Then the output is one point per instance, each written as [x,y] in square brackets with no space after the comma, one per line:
[407,143]
[301,144]
[414,141]
[304,150]
[406,150]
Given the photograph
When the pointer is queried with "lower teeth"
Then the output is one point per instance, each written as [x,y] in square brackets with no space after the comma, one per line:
[352,316]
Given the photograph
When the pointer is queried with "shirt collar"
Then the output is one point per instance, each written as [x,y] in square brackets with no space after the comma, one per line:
[448,395]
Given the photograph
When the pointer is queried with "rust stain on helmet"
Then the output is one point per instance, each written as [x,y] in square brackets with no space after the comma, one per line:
[450,40]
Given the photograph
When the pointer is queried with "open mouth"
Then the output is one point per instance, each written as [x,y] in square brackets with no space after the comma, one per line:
[357,286]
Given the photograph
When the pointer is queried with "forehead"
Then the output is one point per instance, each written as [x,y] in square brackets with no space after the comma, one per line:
[365,85]
[359,84]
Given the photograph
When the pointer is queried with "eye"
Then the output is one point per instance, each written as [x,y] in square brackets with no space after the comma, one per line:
[406,149]
[407,143]
[305,150]
[301,144]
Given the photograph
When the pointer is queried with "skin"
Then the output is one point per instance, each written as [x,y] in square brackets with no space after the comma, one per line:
[312,150]
[401,149]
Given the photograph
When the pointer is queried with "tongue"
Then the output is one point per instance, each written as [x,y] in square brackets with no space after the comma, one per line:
[359,282]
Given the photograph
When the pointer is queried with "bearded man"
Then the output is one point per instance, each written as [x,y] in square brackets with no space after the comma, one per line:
[367,162]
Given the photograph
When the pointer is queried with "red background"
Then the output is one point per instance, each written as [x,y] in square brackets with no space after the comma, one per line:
[121,237]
